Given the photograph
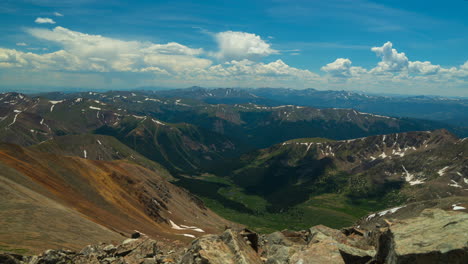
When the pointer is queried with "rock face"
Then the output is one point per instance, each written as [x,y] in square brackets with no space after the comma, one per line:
[51,201]
[140,250]
[435,236]
[229,247]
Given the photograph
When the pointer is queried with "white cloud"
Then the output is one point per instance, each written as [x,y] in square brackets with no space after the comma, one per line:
[396,73]
[10,58]
[173,48]
[453,72]
[58,14]
[392,61]
[22,44]
[175,64]
[44,20]
[424,68]
[341,68]
[234,45]
[248,70]
[108,54]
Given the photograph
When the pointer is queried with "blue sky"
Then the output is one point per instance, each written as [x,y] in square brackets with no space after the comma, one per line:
[413,47]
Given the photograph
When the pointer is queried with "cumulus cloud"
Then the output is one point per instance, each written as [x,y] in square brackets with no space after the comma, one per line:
[460,72]
[397,62]
[22,44]
[172,48]
[85,52]
[58,14]
[395,71]
[44,20]
[10,58]
[424,68]
[234,45]
[109,54]
[341,68]
[178,64]
[246,67]
[392,60]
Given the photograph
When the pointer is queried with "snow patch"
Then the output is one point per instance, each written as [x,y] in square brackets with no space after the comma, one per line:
[85,154]
[177,102]
[152,99]
[53,104]
[362,113]
[14,118]
[441,172]
[158,122]
[410,177]
[182,227]
[385,212]
[390,211]
[370,217]
[99,142]
[457,207]
[94,108]
[454,184]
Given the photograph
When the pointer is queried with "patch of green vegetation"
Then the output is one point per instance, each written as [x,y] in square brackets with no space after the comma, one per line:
[341,203]
[232,202]
[303,216]
[256,203]
[8,249]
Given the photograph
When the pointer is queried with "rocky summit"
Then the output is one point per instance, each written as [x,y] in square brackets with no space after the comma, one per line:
[433,236]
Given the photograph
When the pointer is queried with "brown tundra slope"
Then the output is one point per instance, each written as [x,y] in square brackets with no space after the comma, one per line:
[50,201]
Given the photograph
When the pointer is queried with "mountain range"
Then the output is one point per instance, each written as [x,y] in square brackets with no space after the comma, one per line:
[176,164]
[452,110]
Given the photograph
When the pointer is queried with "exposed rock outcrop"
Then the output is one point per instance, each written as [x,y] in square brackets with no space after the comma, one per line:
[131,251]
[435,236]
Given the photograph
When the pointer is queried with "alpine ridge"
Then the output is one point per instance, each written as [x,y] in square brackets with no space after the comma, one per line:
[82,168]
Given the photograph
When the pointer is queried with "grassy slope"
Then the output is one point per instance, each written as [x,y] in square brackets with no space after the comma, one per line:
[231,202]
[98,147]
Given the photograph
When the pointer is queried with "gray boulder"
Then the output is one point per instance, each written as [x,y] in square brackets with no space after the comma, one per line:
[436,236]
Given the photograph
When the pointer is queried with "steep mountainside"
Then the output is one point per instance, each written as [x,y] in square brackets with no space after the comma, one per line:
[259,126]
[415,165]
[310,181]
[55,200]
[413,233]
[292,184]
[179,147]
[98,147]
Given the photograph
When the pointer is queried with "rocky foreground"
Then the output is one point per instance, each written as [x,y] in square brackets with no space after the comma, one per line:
[435,236]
